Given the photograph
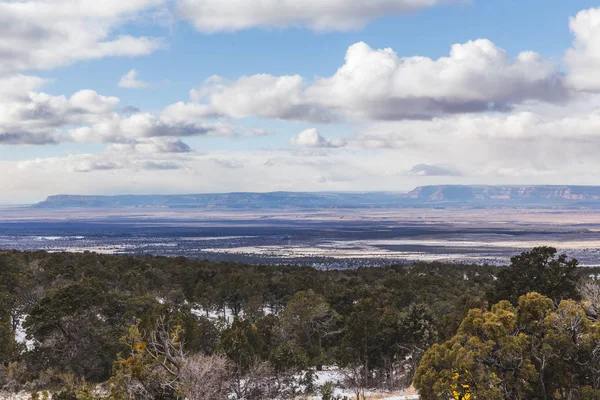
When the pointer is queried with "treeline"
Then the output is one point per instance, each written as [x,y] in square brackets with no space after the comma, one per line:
[165,328]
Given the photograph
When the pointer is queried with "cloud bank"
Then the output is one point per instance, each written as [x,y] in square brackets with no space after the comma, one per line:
[377,84]
[61,32]
[475,115]
[210,16]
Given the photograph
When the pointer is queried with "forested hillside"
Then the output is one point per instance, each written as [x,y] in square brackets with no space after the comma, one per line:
[164,328]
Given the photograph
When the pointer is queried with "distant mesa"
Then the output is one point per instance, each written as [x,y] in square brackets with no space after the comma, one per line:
[241,201]
[505,194]
[423,196]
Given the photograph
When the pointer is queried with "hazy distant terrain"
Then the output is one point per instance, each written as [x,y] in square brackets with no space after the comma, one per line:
[424,196]
[473,224]
[327,238]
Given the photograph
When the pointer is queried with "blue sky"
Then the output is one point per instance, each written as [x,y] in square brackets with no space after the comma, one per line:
[303,97]
[192,57]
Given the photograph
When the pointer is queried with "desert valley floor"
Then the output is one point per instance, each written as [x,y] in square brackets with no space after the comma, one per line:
[328,239]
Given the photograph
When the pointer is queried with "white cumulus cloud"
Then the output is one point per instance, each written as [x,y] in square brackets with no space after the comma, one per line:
[267,96]
[477,76]
[583,59]
[36,118]
[39,35]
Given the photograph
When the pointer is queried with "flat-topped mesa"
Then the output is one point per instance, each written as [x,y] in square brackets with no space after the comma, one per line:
[455,193]
[250,201]
[424,196]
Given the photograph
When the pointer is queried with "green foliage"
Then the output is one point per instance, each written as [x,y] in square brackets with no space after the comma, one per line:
[536,350]
[541,271]
[8,345]
[417,327]
[74,327]
[326,390]
[242,343]
[309,380]
[287,358]
[451,315]
[375,321]
[311,323]
[65,394]
[372,341]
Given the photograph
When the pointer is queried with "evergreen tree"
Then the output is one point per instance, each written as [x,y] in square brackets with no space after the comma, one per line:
[541,271]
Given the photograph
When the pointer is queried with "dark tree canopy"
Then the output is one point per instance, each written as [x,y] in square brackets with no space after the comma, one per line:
[539,270]
[260,327]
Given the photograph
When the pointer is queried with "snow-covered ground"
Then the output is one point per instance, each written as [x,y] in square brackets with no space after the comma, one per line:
[20,396]
[329,374]
[336,376]
[226,315]
[370,396]
[21,335]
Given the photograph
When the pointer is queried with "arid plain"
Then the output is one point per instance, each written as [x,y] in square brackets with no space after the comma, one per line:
[331,238]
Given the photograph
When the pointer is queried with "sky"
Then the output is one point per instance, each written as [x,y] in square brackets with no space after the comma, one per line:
[204,96]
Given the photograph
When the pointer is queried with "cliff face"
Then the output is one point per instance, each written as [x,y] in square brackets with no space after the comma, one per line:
[500,194]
